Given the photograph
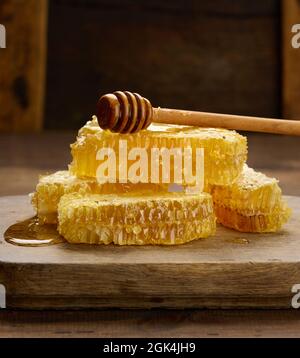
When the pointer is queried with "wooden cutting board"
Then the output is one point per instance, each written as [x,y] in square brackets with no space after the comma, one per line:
[230,270]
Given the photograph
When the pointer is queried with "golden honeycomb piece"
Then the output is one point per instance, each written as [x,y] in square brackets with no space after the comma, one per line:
[136,219]
[225,151]
[252,204]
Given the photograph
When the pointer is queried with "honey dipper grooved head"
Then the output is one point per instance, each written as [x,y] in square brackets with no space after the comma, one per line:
[124,112]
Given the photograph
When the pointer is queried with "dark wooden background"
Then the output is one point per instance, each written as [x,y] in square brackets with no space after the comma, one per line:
[22,65]
[218,55]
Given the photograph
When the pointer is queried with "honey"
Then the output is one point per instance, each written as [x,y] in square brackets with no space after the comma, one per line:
[32,234]
[225,152]
[156,219]
[253,203]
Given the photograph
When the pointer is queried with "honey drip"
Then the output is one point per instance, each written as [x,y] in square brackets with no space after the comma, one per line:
[31,234]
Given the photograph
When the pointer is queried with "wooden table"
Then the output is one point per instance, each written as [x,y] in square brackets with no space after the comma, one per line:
[23,157]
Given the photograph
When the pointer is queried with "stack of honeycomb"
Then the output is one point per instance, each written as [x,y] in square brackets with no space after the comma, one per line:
[87,211]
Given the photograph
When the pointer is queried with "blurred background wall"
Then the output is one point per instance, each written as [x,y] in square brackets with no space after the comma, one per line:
[231,56]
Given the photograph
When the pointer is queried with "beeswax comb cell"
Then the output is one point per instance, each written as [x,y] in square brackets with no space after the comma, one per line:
[225,151]
[252,204]
[161,219]
[52,187]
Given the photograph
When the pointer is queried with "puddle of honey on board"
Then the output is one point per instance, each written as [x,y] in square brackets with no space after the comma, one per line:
[30,233]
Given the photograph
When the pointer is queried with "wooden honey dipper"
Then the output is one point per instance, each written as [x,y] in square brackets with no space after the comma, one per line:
[126,112]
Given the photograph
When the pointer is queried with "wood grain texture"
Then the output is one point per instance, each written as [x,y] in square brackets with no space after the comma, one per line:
[218,272]
[22,64]
[150,323]
[291,60]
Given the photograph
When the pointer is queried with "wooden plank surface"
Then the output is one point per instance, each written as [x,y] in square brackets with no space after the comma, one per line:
[22,63]
[150,323]
[291,60]
[229,270]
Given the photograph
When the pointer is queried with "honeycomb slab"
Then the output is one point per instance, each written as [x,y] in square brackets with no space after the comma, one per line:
[252,204]
[161,219]
[225,151]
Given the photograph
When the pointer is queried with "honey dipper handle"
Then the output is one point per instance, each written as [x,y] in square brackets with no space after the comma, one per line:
[216,120]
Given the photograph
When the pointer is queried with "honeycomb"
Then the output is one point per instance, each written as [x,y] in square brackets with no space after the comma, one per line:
[52,187]
[87,211]
[136,219]
[225,151]
[252,204]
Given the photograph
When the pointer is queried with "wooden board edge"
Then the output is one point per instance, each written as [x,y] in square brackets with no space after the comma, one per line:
[77,303]
[163,285]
